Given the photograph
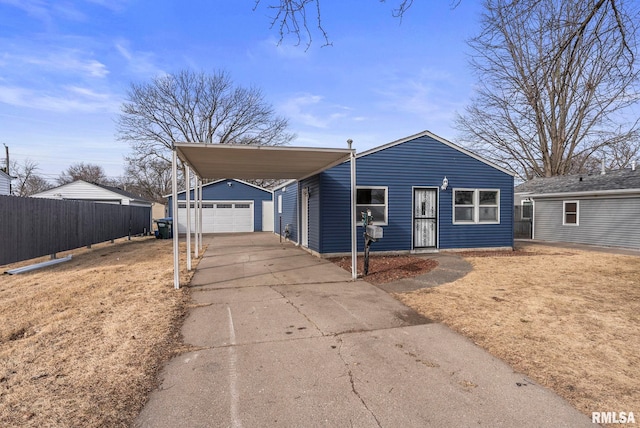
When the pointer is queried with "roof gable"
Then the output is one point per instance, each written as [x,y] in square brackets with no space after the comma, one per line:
[83,190]
[222,180]
[438,139]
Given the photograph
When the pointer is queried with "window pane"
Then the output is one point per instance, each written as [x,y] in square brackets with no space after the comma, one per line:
[464,214]
[376,211]
[488,214]
[571,218]
[527,210]
[370,196]
[464,197]
[243,206]
[571,207]
[488,198]
[207,205]
[224,206]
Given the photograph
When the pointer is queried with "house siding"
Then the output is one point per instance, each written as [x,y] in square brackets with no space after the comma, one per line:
[422,162]
[289,215]
[238,191]
[5,184]
[601,221]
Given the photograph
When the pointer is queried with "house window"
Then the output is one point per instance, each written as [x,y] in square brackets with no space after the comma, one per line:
[473,206]
[374,199]
[526,210]
[224,206]
[570,209]
[243,205]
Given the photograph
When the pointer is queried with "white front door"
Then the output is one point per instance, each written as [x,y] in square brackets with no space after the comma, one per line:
[304,220]
[425,218]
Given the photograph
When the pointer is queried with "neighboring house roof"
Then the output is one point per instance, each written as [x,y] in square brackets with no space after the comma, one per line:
[5,175]
[81,190]
[119,191]
[621,181]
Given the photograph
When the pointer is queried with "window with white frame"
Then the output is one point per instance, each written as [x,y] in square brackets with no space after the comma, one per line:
[526,209]
[475,206]
[279,204]
[374,199]
[570,213]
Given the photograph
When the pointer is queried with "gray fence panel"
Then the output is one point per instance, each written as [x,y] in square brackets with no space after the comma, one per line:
[34,227]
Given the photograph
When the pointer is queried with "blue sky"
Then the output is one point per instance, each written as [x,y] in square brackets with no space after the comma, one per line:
[65,67]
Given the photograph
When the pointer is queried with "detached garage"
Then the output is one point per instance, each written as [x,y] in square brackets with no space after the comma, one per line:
[229,206]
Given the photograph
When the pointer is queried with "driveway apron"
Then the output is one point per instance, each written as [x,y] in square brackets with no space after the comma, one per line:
[282,338]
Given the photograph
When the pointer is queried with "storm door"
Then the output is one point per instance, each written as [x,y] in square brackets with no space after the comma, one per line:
[425,218]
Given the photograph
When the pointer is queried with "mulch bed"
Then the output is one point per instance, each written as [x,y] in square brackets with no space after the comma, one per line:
[385,269]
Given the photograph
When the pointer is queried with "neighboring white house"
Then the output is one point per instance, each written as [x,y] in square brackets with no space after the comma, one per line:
[5,183]
[80,190]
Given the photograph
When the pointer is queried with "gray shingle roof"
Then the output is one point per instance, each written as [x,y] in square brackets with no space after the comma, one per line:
[613,180]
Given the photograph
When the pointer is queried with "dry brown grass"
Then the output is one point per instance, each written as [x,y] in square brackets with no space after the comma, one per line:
[569,320]
[81,343]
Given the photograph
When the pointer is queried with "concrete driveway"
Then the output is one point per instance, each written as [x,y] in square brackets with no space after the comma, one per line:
[282,338]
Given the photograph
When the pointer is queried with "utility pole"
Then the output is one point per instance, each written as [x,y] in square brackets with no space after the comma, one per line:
[6,148]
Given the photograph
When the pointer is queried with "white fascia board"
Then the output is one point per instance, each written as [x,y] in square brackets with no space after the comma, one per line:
[594,193]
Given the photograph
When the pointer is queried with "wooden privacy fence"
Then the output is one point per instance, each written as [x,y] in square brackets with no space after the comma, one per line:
[34,227]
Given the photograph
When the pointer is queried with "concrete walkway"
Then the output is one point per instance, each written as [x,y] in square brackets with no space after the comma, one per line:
[282,338]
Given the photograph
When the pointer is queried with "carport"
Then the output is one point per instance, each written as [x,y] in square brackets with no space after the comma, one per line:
[219,161]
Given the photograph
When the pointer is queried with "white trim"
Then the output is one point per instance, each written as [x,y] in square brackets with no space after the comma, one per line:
[476,206]
[594,193]
[564,213]
[441,140]
[386,205]
[522,202]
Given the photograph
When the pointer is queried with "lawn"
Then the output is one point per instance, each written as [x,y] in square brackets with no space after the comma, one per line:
[81,343]
[568,319]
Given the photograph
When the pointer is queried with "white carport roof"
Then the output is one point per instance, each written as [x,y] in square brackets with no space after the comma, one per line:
[216,161]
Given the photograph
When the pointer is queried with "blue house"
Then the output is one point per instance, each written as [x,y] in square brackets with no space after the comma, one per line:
[229,205]
[425,192]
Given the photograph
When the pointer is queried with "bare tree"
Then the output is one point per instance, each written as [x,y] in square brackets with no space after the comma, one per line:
[556,80]
[149,177]
[300,18]
[196,108]
[84,171]
[26,179]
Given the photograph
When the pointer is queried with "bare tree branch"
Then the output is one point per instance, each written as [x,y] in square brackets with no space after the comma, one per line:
[556,81]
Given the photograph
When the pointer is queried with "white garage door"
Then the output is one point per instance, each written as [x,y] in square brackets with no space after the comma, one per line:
[219,216]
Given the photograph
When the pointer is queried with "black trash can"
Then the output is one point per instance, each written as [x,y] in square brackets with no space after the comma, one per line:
[165,228]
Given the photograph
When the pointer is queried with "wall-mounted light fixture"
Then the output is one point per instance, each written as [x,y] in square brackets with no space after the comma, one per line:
[284,189]
[229,183]
[445,183]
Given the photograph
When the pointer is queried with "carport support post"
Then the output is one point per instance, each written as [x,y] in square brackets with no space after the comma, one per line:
[197,216]
[187,185]
[200,209]
[174,212]
[354,226]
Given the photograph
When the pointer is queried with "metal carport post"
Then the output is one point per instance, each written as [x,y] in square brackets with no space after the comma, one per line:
[220,161]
